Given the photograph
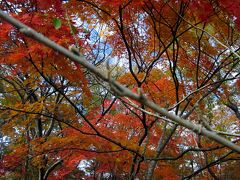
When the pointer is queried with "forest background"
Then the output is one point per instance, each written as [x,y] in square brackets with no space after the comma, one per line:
[130,89]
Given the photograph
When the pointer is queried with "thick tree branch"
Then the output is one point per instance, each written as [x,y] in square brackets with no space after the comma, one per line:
[121,90]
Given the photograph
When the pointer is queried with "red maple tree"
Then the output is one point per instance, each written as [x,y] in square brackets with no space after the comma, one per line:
[151,91]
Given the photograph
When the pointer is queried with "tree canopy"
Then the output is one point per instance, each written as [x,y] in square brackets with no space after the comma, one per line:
[119,89]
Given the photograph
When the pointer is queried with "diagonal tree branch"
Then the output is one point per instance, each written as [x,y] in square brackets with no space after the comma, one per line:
[119,89]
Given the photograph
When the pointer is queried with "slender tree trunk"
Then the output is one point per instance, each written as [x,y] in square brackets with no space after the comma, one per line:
[41,174]
[161,145]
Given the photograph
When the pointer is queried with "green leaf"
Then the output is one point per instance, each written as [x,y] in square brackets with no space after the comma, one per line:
[85,30]
[57,23]
[73,29]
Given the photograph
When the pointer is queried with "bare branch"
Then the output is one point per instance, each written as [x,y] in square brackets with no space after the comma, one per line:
[121,90]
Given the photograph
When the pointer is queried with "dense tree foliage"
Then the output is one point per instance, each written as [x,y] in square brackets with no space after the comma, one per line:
[59,120]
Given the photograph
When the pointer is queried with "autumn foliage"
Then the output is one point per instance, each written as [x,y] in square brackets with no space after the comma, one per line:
[60,121]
